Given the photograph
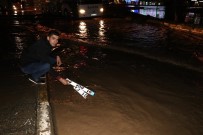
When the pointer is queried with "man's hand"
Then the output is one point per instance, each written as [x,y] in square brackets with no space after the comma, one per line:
[58,61]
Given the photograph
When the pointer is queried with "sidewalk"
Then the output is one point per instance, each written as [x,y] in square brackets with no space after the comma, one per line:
[193,29]
[18,103]
[22,105]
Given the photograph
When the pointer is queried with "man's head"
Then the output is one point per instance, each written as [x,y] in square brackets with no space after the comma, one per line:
[53,37]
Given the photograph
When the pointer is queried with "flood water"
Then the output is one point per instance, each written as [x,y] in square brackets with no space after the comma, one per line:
[135,94]
[114,32]
[148,40]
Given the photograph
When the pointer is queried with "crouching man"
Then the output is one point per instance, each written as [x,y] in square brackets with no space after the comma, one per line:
[38,60]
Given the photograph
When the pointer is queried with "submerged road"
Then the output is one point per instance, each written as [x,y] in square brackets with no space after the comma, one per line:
[142,74]
[135,94]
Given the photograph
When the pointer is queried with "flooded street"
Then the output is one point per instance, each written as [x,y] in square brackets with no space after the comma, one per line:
[135,94]
[132,99]
[134,69]
[131,36]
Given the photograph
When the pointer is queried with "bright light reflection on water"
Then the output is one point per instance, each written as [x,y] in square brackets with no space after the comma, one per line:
[82,30]
[16,22]
[101,32]
[118,32]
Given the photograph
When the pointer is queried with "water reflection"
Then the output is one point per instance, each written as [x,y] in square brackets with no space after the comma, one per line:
[15,12]
[16,22]
[19,46]
[92,31]
[105,31]
[101,32]
[116,33]
[82,30]
[101,28]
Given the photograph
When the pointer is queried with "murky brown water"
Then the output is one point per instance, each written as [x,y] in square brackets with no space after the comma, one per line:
[134,94]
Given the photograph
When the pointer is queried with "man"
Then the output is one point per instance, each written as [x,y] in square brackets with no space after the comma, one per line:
[38,59]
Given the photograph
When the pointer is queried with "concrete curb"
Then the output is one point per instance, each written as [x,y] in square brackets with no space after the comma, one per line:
[44,116]
[180,27]
[185,28]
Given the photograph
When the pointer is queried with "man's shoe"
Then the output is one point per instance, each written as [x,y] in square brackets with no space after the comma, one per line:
[37,82]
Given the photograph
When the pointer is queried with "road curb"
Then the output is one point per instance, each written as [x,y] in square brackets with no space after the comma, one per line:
[44,116]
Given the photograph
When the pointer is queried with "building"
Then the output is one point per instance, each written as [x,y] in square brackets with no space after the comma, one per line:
[194,14]
[139,2]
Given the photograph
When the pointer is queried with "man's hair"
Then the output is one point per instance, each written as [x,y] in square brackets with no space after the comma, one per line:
[53,32]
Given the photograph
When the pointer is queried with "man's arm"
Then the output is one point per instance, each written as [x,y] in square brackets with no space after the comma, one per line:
[58,61]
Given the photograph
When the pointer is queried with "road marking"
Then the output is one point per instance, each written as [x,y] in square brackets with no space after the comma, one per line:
[44,119]
[44,116]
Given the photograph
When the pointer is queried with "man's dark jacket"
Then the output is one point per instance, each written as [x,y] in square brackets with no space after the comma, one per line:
[40,51]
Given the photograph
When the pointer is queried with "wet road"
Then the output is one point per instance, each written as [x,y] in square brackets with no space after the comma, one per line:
[134,95]
[148,40]
[141,94]
[17,96]
[150,97]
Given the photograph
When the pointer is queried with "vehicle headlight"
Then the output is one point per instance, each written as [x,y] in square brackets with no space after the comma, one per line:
[14,7]
[101,9]
[82,11]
